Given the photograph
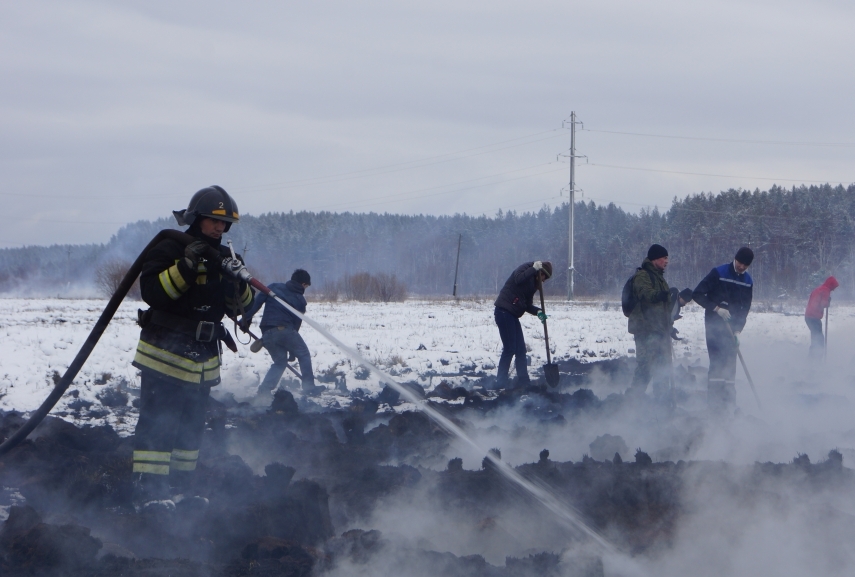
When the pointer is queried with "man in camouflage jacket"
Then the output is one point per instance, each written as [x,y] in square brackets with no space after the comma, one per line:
[651,321]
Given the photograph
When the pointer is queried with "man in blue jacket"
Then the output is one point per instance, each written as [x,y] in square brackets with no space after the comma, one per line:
[279,330]
[515,299]
[725,294]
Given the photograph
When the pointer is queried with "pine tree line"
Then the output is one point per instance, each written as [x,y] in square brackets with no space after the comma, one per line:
[799,235]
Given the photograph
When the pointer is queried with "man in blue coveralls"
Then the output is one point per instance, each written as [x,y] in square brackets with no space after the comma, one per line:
[280,331]
[725,294]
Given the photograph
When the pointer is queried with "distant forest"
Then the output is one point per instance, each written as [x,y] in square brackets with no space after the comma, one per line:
[799,236]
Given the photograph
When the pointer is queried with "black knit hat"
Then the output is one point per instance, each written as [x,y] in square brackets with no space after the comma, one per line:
[301,277]
[745,255]
[547,268]
[656,251]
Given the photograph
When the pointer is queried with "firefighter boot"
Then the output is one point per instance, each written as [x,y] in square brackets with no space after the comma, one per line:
[151,494]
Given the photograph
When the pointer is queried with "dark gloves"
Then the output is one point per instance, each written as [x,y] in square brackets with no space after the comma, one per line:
[674,333]
[661,297]
[193,252]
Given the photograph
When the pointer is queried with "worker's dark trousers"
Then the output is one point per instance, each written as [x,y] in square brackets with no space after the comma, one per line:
[513,346]
[653,361]
[721,383]
[279,341]
[168,434]
[817,341]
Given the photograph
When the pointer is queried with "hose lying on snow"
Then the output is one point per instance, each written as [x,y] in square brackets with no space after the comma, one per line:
[106,316]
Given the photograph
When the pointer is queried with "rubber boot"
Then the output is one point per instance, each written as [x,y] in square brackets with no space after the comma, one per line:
[312,390]
[151,494]
[184,494]
[717,396]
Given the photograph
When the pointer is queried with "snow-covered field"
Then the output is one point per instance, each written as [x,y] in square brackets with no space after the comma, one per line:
[421,341]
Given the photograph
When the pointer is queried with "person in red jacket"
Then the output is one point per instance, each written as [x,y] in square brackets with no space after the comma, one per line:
[819,300]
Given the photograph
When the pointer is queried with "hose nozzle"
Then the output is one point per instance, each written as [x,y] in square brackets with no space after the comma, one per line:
[235,268]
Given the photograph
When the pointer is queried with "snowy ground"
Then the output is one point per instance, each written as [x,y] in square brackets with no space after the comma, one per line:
[431,341]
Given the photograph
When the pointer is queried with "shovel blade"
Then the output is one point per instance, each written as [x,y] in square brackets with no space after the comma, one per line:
[550,371]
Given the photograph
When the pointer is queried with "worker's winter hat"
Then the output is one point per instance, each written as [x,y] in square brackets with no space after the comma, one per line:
[301,277]
[656,251]
[745,255]
[547,268]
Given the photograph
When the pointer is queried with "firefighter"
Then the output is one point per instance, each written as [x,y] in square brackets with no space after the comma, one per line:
[179,349]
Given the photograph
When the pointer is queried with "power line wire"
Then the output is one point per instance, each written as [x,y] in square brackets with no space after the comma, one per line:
[329,179]
[363,204]
[716,175]
[728,140]
[332,180]
[357,202]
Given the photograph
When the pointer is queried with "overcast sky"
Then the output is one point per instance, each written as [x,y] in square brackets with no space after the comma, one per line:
[118,111]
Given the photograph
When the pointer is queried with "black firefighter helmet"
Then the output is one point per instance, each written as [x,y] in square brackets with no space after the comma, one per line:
[212,202]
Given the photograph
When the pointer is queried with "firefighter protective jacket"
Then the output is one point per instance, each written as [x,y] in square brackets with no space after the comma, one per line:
[202,295]
[724,288]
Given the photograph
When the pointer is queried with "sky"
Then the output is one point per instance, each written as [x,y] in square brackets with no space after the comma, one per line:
[113,112]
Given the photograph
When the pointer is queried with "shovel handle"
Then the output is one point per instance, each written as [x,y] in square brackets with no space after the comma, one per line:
[288,365]
[744,366]
[543,308]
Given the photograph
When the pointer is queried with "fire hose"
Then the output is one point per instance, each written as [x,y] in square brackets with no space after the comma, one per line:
[65,381]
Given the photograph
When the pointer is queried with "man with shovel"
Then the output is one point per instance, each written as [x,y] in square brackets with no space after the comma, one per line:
[515,299]
[725,294]
[280,331]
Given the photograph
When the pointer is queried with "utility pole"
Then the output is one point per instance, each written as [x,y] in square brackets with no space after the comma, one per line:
[457,266]
[571,269]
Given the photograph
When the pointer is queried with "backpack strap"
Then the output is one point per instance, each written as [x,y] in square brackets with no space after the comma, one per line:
[652,279]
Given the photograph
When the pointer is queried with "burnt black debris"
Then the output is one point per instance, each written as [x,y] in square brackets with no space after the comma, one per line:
[296,493]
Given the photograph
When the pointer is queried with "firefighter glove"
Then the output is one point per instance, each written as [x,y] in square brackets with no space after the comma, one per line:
[193,252]
[723,313]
